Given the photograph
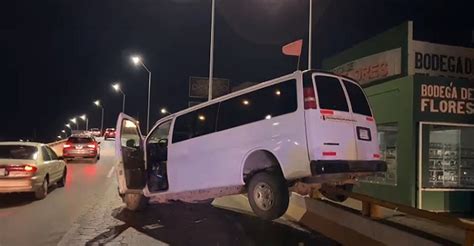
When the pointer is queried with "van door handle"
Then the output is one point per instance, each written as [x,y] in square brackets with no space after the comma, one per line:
[334,144]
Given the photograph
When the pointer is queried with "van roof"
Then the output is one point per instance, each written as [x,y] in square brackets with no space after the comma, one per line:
[248,89]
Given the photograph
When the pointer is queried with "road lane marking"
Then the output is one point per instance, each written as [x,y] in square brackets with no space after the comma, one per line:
[110,172]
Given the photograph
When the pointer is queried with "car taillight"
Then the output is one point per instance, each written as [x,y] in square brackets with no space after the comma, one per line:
[21,170]
[67,145]
[309,98]
[92,145]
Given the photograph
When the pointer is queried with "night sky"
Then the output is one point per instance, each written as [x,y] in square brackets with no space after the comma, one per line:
[59,56]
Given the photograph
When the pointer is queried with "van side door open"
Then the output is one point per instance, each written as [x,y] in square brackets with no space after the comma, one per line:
[130,154]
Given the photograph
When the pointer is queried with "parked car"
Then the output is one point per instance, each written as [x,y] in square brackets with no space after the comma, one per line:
[308,127]
[109,133]
[30,167]
[95,132]
[81,147]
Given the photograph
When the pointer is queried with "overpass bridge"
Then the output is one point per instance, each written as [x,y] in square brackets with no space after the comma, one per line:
[90,213]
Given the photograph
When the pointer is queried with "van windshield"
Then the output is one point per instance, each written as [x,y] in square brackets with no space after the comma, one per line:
[358,100]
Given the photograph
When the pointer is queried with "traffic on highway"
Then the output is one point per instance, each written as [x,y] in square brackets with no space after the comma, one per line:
[249,122]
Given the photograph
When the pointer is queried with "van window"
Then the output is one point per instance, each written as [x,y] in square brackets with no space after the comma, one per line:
[258,105]
[357,97]
[330,94]
[196,123]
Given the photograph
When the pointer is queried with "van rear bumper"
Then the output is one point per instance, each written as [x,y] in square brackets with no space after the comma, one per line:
[342,166]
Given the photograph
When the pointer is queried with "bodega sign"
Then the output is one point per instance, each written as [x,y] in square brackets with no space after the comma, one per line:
[449,99]
[443,60]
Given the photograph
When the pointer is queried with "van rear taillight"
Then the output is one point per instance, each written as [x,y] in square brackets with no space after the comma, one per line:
[309,98]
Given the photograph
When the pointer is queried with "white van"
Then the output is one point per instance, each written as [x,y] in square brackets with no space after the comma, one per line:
[310,127]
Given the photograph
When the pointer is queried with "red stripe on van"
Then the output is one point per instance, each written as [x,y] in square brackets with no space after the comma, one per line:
[377,156]
[370,119]
[326,111]
[329,153]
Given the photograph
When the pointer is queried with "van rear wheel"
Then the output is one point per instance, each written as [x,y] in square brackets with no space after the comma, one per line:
[135,201]
[268,195]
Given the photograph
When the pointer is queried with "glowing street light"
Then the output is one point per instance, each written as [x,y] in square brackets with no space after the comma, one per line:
[59,137]
[68,125]
[63,131]
[74,120]
[164,111]
[84,118]
[138,61]
[117,88]
[98,104]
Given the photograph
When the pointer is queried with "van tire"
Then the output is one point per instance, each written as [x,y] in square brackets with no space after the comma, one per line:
[135,201]
[338,197]
[268,195]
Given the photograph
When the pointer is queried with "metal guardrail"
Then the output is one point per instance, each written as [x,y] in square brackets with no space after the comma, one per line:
[371,207]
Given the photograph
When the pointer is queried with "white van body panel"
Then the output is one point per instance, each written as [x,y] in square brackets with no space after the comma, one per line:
[214,164]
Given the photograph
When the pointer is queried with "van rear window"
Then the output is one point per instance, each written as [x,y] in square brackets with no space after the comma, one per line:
[330,94]
[358,100]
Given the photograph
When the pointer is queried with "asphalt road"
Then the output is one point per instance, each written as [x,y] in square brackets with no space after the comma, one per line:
[88,211]
[25,221]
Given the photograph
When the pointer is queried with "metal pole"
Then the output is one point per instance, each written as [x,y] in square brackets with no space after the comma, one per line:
[123,102]
[310,32]
[148,110]
[211,52]
[102,121]
[87,124]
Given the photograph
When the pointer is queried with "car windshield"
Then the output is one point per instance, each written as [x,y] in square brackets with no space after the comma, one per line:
[21,152]
[80,140]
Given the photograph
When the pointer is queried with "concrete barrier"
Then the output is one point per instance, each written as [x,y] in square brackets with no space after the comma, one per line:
[57,146]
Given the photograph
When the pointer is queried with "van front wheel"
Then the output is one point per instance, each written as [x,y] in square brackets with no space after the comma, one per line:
[135,201]
[268,195]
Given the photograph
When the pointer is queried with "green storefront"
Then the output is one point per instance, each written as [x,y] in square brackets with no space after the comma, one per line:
[422,95]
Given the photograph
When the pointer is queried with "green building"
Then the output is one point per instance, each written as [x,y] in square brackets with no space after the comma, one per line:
[422,95]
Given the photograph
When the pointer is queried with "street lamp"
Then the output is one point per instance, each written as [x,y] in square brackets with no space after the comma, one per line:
[117,88]
[59,137]
[164,111]
[84,118]
[98,104]
[138,61]
[73,120]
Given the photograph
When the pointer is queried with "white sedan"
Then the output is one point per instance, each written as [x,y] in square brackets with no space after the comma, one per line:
[30,167]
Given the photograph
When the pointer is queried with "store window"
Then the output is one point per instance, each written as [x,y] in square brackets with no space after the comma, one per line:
[448,156]
[388,141]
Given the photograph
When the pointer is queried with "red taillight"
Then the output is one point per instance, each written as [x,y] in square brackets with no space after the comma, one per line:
[377,156]
[20,170]
[309,98]
[370,119]
[91,145]
[329,153]
[67,145]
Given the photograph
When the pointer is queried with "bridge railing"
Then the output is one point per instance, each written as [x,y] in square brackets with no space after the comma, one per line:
[371,207]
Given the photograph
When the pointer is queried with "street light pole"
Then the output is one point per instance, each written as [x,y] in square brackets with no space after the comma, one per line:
[211,50]
[98,104]
[137,60]
[86,119]
[310,31]
[116,87]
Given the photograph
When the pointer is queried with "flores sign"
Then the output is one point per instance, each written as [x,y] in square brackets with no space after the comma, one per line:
[199,87]
[443,60]
[453,100]
[374,67]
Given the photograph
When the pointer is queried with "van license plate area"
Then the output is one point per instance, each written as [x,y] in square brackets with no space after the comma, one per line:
[363,133]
